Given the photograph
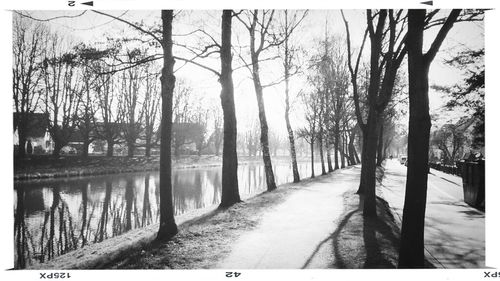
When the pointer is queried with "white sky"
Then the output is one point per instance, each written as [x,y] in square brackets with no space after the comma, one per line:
[93,27]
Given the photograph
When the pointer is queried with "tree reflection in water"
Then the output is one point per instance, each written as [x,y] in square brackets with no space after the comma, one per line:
[147,218]
[129,202]
[101,227]
[20,232]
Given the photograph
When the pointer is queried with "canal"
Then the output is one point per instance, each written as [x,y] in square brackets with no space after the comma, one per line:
[53,217]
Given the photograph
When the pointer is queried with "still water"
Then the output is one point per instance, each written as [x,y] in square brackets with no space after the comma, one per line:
[53,217]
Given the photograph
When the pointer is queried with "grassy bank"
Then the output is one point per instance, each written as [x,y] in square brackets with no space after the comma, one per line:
[39,167]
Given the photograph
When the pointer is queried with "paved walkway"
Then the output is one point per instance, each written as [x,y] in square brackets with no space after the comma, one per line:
[454,231]
[451,178]
[291,236]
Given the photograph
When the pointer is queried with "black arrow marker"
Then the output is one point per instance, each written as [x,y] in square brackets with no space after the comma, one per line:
[90,3]
[427,3]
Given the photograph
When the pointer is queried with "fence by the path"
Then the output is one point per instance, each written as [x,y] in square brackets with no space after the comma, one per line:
[449,169]
[473,178]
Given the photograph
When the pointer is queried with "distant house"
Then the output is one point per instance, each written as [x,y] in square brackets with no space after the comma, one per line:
[37,132]
[184,137]
[75,143]
[98,145]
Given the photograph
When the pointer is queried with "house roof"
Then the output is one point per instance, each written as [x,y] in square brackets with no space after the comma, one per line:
[188,130]
[77,136]
[116,127]
[37,123]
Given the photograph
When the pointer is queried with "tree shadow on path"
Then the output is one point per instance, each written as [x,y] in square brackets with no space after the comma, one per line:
[359,242]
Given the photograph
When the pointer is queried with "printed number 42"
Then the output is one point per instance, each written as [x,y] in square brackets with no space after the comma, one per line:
[233,274]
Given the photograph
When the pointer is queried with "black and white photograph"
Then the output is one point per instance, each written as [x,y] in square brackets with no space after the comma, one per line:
[298,139]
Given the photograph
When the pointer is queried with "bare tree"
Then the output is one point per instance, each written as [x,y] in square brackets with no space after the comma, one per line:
[309,134]
[289,52]
[259,31]
[168,227]
[182,116]
[411,253]
[29,43]
[150,109]
[128,102]
[338,84]
[108,125]
[385,30]
[217,135]
[321,128]
[230,193]
[450,139]
[353,155]
[62,92]
[88,58]
[200,118]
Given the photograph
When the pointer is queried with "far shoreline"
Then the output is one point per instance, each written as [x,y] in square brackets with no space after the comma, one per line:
[75,166]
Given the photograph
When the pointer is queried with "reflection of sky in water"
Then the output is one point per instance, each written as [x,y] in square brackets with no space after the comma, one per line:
[90,209]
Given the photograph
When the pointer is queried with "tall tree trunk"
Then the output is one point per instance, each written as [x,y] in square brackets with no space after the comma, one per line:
[328,155]
[168,227]
[336,145]
[264,138]
[110,149]
[230,192]
[85,148]
[177,151]
[198,149]
[352,149]
[57,148]
[287,66]
[295,169]
[264,141]
[217,148]
[312,158]
[321,156]
[411,252]
[259,92]
[21,153]
[343,154]
[147,152]
[368,161]
[131,149]
[356,156]
[368,165]
[380,145]
[346,149]
[362,180]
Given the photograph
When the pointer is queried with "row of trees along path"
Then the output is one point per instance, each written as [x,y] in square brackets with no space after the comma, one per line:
[383,70]
[393,34]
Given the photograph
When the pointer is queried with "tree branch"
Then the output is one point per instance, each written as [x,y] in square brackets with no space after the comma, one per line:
[131,24]
[49,19]
[436,44]
[199,64]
